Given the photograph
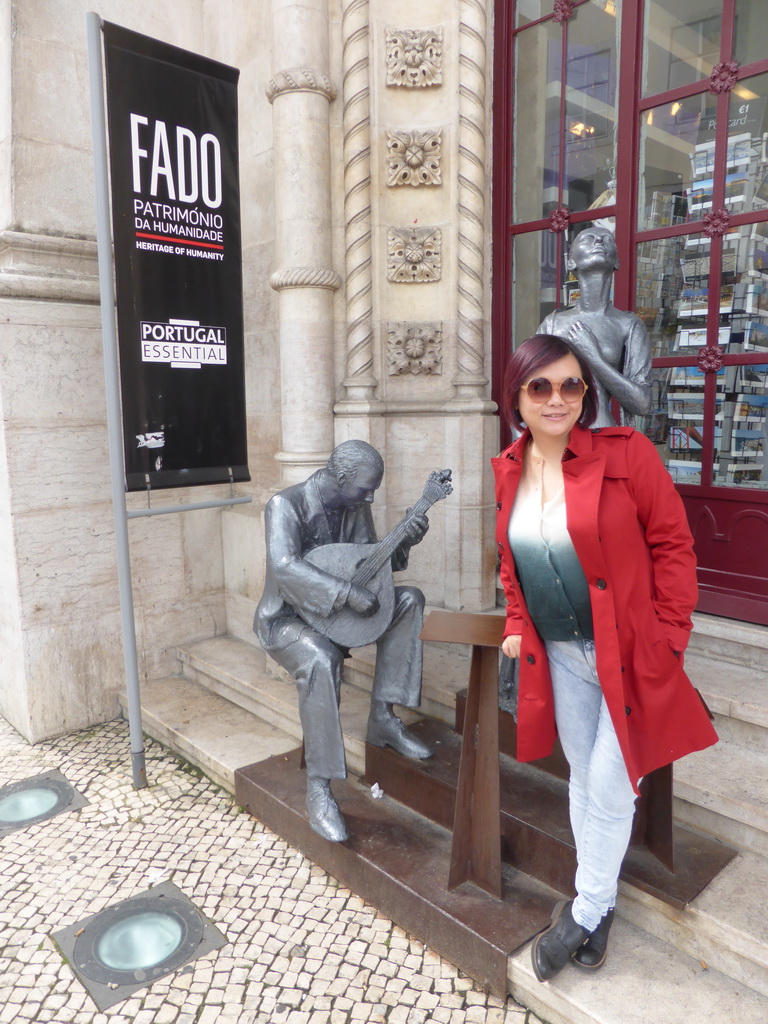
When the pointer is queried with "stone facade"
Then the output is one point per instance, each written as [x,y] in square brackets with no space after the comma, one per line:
[325,86]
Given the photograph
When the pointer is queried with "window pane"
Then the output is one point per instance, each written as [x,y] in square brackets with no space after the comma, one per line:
[746,183]
[538,55]
[685,422]
[527,11]
[676,162]
[682,43]
[535,257]
[751,31]
[741,425]
[672,292]
[658,288]
[590,108]
[676,424]
[676,421]
[744,328]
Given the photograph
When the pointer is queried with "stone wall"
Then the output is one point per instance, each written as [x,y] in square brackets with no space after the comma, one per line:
[59,610]
[365,213]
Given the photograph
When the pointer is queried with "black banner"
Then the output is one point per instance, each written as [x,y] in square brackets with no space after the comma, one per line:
[172,119]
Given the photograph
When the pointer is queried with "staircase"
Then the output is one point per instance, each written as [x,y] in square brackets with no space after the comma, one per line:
[231,706]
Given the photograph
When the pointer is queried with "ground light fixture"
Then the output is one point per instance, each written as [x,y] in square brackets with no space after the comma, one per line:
[37,799]
[131,944]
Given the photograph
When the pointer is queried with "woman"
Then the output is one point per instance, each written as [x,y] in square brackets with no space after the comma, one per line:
[599,574]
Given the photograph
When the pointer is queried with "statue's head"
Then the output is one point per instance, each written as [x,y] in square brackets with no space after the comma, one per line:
[593,248]
[357,469]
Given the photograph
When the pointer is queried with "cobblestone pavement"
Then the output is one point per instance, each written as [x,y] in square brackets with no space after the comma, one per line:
[300,948]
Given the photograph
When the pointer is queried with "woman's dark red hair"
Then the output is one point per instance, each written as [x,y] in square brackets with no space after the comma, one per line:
[529,357]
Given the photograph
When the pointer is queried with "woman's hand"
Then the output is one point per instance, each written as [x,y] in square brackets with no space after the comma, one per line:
[511,646]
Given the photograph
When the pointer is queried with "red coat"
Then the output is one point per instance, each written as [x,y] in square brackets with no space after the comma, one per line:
[630,532]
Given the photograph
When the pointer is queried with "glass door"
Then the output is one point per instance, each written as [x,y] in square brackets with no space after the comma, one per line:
[649,117]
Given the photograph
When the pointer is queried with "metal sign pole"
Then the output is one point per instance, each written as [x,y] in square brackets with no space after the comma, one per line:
[112,389]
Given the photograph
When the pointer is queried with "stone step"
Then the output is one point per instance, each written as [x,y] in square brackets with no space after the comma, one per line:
[719,652]
[446,672]
[728,640]
[205,729]
[641,981]
[724,928]
[736,694]
[724,791]
[216,736]
[232,669]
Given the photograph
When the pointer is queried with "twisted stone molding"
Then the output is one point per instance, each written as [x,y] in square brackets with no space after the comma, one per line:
[300,80]
[356,121]
[305,277]
[471,173]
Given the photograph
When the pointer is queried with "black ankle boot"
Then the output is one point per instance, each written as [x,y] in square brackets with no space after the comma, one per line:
[594,951]
[554,947]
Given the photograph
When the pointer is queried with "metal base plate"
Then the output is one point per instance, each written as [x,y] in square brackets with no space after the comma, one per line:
[399,861]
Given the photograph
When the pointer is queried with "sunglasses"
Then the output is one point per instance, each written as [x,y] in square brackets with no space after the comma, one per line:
[570,390]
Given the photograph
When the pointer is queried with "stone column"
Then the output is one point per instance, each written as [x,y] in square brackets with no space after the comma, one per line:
[470,520]
[300,92]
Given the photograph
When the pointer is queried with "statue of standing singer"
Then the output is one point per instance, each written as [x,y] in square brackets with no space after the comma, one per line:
[613,342]
[309,528]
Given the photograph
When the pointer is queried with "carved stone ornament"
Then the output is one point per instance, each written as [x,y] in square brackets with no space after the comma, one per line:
[710,358]
[415,57]
[559,220]
[413,158]
[563,10]
[414,255]
[300,80]
[415,348]
[723,77]
[716,222]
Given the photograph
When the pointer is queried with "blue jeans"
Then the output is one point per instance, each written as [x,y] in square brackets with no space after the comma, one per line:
[601,798]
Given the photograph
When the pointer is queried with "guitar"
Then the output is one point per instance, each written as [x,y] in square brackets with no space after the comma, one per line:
[369,565]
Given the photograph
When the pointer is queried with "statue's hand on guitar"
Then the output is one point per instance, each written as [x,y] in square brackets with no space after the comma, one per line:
[362,600]
[415,530]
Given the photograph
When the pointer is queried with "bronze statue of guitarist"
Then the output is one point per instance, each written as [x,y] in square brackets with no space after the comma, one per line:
[317,604]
